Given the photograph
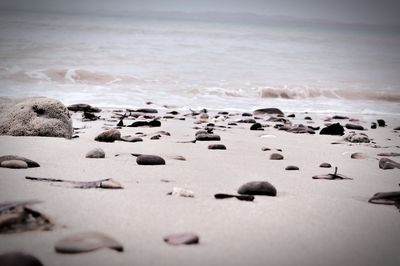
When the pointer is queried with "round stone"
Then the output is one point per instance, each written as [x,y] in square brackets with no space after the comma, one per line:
[258,188]
[276,156]
[149,160]
[14,164]
[325,165]
[96,153]
[292,168]
[216,147]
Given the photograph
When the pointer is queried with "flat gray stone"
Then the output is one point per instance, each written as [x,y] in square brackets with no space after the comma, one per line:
[96,153]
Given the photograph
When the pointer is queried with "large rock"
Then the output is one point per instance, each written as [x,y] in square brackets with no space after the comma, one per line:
[38,116]
[269,111]
[334,129]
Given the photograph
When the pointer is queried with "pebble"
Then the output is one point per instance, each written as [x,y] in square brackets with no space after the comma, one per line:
[216,147]
[19,259]
[386,163]
[381,123]
[131,139]
[268,111]
[109,136]
[14,164]
[354,127]
[258,188]
[325,165]
[292,116]
[149,160]
[334,129]
[358,155]
[339,117]
[207,137]
[96,153]
[292,168]
[247,120]
[86,242]
[391,154]
[265,149]
[256,126]
[276,156]
[373,125]
[19,158]
[147,110]
[247,114]
[182,239]
[182,192]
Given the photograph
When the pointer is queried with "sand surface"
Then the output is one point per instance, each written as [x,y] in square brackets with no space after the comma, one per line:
[310,222]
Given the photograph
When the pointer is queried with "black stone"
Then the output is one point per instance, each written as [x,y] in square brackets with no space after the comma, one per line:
[276,156]
[147,110]
[325,165]
[216,147]
[307,118]
[256,126]
[381,123]
[19,259]
[354,126]
[373,125]
[149,160]
[83,108]
[247,114]
[258,188]
[339,117]
[291,115]
[334,129]
[268,111]
[207,137]
[386,163]
[292,168]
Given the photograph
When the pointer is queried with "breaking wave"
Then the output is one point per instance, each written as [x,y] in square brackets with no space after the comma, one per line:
[347,94]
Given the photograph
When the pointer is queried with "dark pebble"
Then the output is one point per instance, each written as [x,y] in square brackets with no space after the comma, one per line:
[109,136]
[354,126]
[247,114]
[292,167]
[339,117]
[291,115]
[276,156]
[182,239]
[149,160]
[373,125]
[207,137]
[216,147]
[268,111]
[334,129]
[147,110]
[386,163]
[256,126]
[19,259]
[381,123]
[258,188]
[325,165]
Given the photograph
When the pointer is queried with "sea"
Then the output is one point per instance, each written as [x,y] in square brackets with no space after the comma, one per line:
[201,60]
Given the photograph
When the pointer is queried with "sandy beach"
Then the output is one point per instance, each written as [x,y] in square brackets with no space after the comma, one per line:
[309,222]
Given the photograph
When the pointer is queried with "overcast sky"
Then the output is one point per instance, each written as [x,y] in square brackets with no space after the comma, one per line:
[365,11]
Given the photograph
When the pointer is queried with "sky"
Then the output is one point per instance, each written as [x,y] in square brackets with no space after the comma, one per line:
[353,11]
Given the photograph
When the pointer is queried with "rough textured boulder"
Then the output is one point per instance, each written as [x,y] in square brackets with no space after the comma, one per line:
[357,137]
[38,116]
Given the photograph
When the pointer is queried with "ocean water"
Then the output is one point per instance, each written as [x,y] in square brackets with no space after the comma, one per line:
[125,61]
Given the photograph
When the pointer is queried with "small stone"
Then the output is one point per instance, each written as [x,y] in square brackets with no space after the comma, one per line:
[390,154]
[373,125]
[339,117]
[354,127]
[96,153]
[256,126]
[86,242]
[265,149]
[292,116]
[334,129]
[147,110]
[276,156]
[381,123]
[19,259]
[216,147]
[307,118]
[109,136]
[182,192]
[155,137]
[386,163]
[325,165]
[258,188]
[149,160]
[207,137]
[14,164]
[182,239]
[358,155]
[292,168]
[396,128]
[268,111]
[131,139]
[83,108]
[247,114]
[247,121]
